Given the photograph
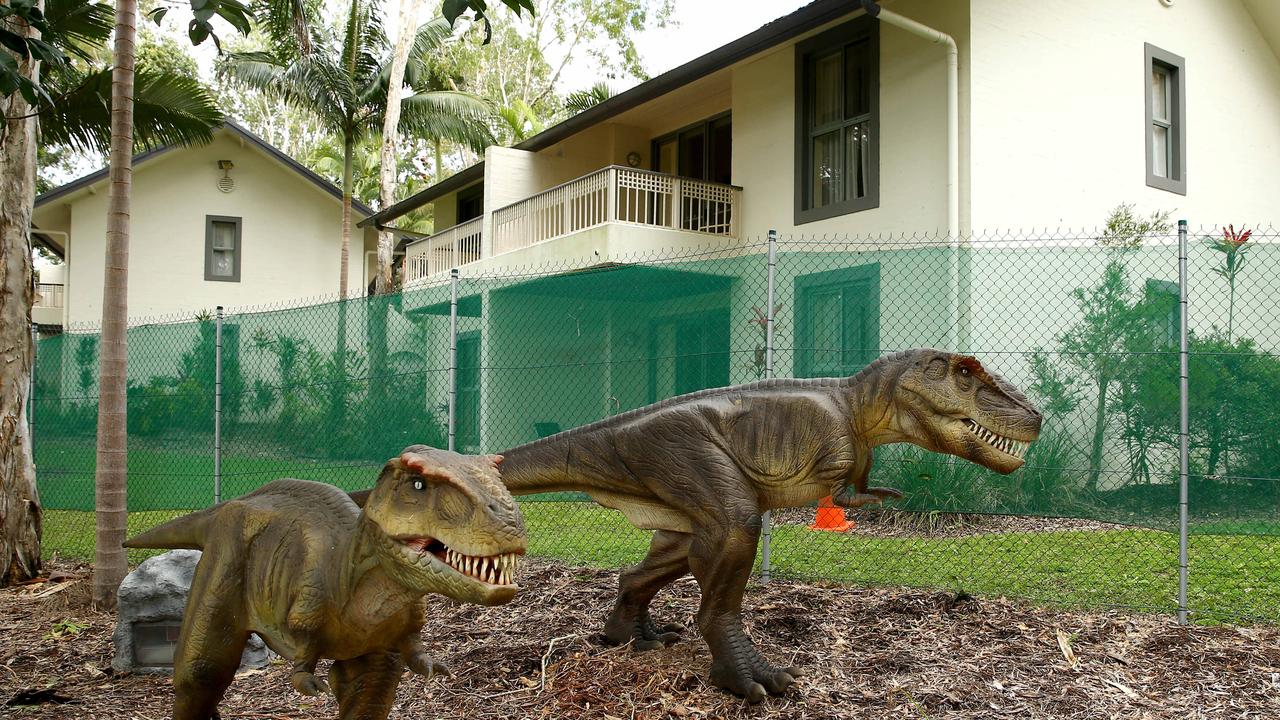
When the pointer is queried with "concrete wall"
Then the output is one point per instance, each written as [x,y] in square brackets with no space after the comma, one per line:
[1059,125]
[291,236]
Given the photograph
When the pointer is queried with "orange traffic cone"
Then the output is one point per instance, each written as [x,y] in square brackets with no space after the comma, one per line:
[831,518]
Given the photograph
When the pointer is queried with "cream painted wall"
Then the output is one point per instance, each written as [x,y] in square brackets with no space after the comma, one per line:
[1059,124]
[291,235]
[912,127]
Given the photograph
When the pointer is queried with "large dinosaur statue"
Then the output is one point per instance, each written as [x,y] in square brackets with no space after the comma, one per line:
[701,468]
[298,563]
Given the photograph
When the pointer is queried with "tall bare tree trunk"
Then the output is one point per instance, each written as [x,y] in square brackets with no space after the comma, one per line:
[109,561]
[348,151]
[391,137]
[20,524]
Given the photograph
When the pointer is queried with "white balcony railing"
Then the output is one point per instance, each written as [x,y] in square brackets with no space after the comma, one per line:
[618,195]
[446,249]
[49,295]
[609,195]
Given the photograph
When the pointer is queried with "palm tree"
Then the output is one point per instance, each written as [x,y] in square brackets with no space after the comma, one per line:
[109,560]
[343,82]
[77,90]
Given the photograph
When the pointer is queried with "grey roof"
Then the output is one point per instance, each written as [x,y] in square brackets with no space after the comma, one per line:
[234,127]
[811,16]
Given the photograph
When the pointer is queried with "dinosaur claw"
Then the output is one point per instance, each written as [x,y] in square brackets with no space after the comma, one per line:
[426,666]
[308,684]
[884,492]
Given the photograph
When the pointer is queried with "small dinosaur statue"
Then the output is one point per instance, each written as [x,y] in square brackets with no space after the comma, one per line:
[298,563]
[701,468]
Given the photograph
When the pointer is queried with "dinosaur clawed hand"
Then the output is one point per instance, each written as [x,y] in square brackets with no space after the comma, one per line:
[424,665]
[850,497]
[643,633]
[308,683]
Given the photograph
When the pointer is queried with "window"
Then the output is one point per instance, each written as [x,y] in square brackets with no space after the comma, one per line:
[467,389]
[1165,319]
[689,353]
[837,116]
[838,321]
[222,248]
[470,203]
[702,151]
[1166,117]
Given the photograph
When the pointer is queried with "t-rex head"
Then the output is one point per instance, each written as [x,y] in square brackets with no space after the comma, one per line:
[949,403]
[448,525]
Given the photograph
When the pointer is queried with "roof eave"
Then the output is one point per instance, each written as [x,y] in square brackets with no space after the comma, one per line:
[811,16]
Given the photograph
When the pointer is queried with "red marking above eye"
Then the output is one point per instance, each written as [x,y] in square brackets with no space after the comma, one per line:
[970,363]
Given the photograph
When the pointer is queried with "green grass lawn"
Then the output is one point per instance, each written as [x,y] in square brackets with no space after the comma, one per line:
[1233,577]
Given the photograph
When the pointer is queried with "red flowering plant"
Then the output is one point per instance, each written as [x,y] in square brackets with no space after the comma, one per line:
[1233,246]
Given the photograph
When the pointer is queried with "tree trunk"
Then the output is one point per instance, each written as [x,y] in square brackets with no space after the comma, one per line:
[1099,432]
[391,138]
[348,151]
[20,517]
[110,562]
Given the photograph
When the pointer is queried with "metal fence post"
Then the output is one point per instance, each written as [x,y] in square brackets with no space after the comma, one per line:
[1183,423]
[453,353]
[766,521]
[217,407]
[31,386]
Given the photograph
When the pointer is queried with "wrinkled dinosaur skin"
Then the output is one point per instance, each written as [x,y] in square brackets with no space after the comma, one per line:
[298,563]
[701,468]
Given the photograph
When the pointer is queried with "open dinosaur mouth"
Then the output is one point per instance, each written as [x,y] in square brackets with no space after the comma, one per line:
[491,569]
[1006,445]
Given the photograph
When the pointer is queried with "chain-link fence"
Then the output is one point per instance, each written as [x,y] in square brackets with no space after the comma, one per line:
[1089,325]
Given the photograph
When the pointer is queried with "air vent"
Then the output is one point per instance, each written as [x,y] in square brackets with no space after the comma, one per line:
[226,184]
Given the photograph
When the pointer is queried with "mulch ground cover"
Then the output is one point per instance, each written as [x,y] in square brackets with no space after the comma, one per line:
[867,652]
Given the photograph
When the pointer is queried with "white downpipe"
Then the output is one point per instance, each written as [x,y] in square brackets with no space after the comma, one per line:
[958,334]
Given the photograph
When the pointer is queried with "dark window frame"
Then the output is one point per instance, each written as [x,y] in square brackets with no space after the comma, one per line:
[836,38]
[705,125]
[806,286]
[209,220]
[1176,67]
[469,194]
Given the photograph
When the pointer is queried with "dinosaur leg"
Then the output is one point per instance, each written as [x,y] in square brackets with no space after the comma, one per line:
[416,657]
[668,560]
[366,685]
[721,557]
[213,635]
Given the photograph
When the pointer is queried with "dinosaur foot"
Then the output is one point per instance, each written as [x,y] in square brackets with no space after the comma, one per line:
[851,498]
[746,673]
[308,684]
[753,677]
[642,632]
[426,666]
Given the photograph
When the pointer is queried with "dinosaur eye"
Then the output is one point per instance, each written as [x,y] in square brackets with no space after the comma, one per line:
[965,371]
[418,485]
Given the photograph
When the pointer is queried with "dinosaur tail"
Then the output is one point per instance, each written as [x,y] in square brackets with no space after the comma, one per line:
[185,533]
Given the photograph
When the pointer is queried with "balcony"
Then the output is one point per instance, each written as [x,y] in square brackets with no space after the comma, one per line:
[610,196]
[49,301]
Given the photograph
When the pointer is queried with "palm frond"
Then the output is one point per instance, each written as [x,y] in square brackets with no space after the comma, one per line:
[458,117]
[77,27]
[168,109]
[288,22]
[578,101]
[309,83]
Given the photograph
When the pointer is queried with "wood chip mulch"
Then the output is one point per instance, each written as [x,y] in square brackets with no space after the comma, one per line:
[867,652]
